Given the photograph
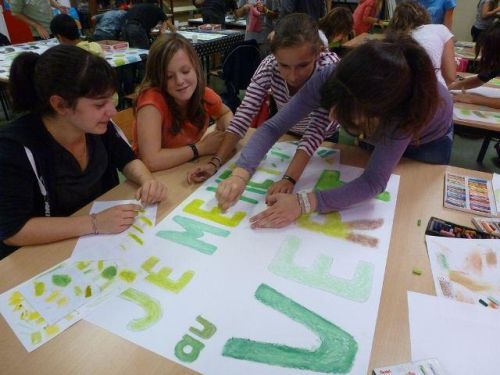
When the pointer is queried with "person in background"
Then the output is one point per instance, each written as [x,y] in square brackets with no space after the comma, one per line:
[64,151]
[296,55]
[66,31]
[366,15]
[412,18]
[489,68]
[316,9]
[108,24]
[411,116]
[174,107]
[441,11]
[36,14]
[214,11]
[336,27]
[141,18]
[487,12]
[260,16]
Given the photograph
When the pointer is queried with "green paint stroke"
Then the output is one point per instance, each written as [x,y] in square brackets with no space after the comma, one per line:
[127,276]
[333,225]
[330,179]
[208,328]
[266,184]
[61,280]
[242,198]
[215,215]
[318,276]
[136,238]
[36,338]
[195,347]
[39,288]
[280,155]
[88,291]
[162,280]
[325,153]
[335,354]
[100,265]
[466,112]
[109,272]
[193,231]
[443,261]
[78,291]
[152,309]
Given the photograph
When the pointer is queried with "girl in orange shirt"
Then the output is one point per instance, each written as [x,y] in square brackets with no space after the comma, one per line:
[174,106]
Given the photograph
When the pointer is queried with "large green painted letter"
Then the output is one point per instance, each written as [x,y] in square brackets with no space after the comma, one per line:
[193,230]
[318,276]
[335,354]
[151,307]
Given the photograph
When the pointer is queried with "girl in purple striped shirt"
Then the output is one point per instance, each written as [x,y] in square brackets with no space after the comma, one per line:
[297,54]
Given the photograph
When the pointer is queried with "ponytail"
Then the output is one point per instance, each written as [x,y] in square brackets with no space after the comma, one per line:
[21,82]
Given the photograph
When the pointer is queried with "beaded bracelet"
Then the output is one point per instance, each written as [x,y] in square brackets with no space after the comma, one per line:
[305,200]
[93,220]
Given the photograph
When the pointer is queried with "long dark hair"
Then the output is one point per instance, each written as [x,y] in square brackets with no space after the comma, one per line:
[488,44]
[294,30]
[162,51]
[383,88]
[64,70]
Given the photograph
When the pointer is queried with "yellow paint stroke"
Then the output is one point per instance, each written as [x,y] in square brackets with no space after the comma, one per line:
[146,221]
[127,276]
[52,297]
[62,301]
[88,291]
[269,171]
[137,228]
[16,300]
[39,288]
[81,265]
[78,291]
[34,315]
[100,265]
[136,238]
[149,263]
[52,329]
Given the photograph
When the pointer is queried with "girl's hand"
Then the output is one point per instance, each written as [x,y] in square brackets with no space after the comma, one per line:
[116,219]
[281,186]
[285,209]
[229,191]
[465,98]
[210,144]
[152,191]
[201,173]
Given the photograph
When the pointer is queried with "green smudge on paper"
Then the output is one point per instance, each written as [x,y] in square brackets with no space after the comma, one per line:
[151,307]
[109,272]
[39,288]
[146,221]
[137,228]
[61,280]
[127,276]
[136,238]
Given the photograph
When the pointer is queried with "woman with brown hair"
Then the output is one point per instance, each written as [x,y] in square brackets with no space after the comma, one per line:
[385,91]
[174,107]
[412,18]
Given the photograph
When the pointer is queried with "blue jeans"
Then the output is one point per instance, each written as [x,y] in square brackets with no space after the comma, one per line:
[435,152]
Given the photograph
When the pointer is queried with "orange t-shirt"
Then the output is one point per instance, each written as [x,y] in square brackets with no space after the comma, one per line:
[189,133]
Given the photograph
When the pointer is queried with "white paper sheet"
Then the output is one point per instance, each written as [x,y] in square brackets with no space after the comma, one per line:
[120,245]
[488,117]
[495,182]
[466,270]
[490,92]
[463,337]
[216,286]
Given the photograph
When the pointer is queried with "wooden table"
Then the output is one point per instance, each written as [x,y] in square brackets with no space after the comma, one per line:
[230,22]
[486,130]
[87,349]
